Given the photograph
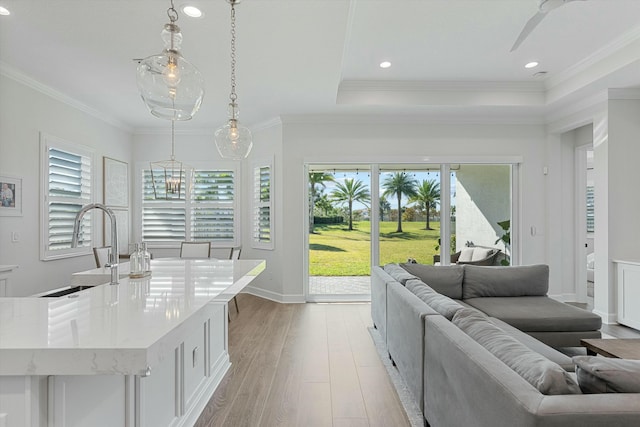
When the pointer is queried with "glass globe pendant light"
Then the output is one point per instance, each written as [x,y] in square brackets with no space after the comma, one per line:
[233,140]
[170,86]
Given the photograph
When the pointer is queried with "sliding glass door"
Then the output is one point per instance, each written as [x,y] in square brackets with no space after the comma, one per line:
[339,233]
[363,215]
[409,213]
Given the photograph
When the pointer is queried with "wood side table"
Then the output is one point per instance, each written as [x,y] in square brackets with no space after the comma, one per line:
[623,348]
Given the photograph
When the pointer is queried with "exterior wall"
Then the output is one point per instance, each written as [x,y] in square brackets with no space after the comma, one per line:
[483,198]
[24,113]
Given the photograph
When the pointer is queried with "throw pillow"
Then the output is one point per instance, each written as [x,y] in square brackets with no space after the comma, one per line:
[398,273]
[446,280]
[466,254]
[513,281]
[546,376]
[480,254]
[607,375]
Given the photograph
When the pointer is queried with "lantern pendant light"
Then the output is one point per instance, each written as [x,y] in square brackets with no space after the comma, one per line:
[233,140]
[170,86]
[168,176]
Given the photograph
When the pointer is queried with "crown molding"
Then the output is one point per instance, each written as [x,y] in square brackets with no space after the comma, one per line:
[577,114]
[624,93]
[598,56]
[166,130]
[441,93]
[442,86]
[267,124]
[18,76]
[276,121]
[439,118]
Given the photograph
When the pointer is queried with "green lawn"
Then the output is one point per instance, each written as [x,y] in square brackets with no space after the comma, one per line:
[336,251]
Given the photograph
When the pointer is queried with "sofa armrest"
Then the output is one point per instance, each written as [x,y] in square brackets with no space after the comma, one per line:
[379,281]
[405,335]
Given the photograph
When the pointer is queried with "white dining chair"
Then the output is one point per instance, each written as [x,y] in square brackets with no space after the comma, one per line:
[195,250]
[235,253]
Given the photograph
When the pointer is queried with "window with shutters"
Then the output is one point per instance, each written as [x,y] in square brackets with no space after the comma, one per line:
[66,187]
[207,212]
[262,206]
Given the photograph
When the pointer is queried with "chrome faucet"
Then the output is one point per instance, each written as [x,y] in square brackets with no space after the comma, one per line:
[113,255]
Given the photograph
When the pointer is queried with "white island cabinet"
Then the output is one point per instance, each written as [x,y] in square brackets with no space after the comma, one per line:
[148,352]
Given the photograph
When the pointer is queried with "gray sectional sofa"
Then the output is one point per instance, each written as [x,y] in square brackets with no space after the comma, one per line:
[472,344]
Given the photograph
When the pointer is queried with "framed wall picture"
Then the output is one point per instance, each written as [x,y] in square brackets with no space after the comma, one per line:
[10,196]
[115,183]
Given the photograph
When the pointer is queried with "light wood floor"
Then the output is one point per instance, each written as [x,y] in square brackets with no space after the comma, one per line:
[303,365]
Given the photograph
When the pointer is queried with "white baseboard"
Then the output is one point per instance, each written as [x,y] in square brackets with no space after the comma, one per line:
[273,296]
[607,318]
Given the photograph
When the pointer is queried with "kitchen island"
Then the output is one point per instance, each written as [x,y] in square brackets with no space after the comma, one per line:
[146,352]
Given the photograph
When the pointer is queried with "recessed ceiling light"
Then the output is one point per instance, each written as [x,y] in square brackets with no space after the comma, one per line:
[385,64]
[532,64]
[192,11]
[4,11]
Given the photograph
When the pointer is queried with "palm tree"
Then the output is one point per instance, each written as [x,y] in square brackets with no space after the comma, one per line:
[427,196]
[397,184]
[384,207]
[316,179]
[349,192]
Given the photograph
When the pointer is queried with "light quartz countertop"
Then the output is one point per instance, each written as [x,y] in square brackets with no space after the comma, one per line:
[116,329]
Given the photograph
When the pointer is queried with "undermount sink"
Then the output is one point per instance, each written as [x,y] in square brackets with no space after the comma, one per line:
[65,291]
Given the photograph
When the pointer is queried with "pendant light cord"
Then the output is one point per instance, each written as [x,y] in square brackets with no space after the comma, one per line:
[173,123]
[232,95]
[172,13]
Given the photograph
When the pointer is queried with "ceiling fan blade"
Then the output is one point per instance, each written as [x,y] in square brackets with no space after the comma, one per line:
[531,24]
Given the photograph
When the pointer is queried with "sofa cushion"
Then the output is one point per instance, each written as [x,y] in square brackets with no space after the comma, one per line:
[538,314]
[440,303]
[446,280]
[527,280]
[398,273]
[546,376]
[607,375]
[466,254]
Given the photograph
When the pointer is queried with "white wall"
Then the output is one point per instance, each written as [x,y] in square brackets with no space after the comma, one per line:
[191,147]
[375,141]
[616,151]
[24,113]
[291,144]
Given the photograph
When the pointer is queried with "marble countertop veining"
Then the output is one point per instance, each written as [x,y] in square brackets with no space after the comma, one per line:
[116,329]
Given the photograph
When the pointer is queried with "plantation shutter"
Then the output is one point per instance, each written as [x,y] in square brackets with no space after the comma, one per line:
[162,219]
[590,209]
[262,208]
[207,213]
[212,211]
[68,189]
